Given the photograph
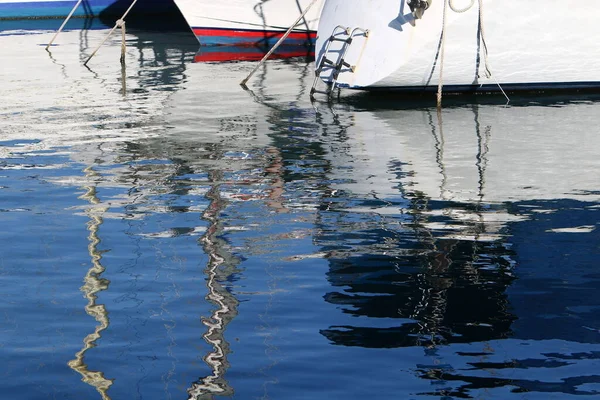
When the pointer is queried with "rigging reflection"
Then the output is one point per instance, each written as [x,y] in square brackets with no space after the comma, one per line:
[436,267]
[442,251]
[221,264]
[258,175]
[93,285]
[430,217]
[146,160]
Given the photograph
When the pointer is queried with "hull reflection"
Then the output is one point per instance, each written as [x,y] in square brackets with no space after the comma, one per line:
[255,53]
[437,229]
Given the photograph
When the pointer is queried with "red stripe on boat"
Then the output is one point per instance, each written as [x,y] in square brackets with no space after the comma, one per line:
[252,34]
[243,56]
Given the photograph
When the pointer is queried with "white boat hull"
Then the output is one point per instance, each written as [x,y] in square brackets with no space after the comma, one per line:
[533,44]
[251,22]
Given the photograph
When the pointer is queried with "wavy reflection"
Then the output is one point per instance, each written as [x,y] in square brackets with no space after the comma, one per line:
[422,266]
[434,217]
[93,284]
[221,264]
[258,178]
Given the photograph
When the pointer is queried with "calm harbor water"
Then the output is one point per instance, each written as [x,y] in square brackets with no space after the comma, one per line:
[168,235]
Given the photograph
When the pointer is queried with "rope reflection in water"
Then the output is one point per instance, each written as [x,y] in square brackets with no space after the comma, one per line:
[93,284]
[221,263]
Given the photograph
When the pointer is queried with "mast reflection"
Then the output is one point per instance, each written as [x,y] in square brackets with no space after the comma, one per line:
[93,284]
[424,232]
[437,268]
[221,264]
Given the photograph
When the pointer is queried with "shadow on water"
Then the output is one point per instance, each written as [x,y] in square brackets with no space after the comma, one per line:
[365,100]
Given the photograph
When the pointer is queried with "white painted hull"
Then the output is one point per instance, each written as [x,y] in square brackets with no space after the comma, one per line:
[533,44]
[250,22]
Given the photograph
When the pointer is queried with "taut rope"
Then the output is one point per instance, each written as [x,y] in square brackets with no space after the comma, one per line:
[487,69]
[443,39]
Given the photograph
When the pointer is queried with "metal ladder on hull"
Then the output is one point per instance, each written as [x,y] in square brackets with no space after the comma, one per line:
[336,64]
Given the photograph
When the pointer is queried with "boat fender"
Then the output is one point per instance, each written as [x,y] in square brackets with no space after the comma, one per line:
[418,7]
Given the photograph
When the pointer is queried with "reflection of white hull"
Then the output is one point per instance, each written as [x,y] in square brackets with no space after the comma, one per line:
[481,153]
[72,106]
[472,161]
[250,22]
[536,44]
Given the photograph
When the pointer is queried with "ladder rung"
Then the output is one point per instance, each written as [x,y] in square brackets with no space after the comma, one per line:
[320,91]
[336,39]
[326,63]
[334,68]
[327,66]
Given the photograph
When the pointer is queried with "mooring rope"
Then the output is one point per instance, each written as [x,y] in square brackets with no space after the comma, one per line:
[276,45]
[123,40]
[488,72]
[484,48]
[64,23]
[460,10]
[442,48]
[119,24]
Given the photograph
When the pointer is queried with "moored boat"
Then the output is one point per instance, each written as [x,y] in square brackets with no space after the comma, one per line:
[464,45]
[251,22]
[38,9]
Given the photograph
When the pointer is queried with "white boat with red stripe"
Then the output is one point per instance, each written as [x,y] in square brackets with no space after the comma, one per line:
[252,22]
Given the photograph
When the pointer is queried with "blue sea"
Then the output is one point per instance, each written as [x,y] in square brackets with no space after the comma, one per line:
[168,234]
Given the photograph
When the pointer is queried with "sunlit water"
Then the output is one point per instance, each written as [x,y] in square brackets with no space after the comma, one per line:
[168,235]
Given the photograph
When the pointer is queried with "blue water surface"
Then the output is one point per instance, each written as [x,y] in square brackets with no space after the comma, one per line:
[166,234]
